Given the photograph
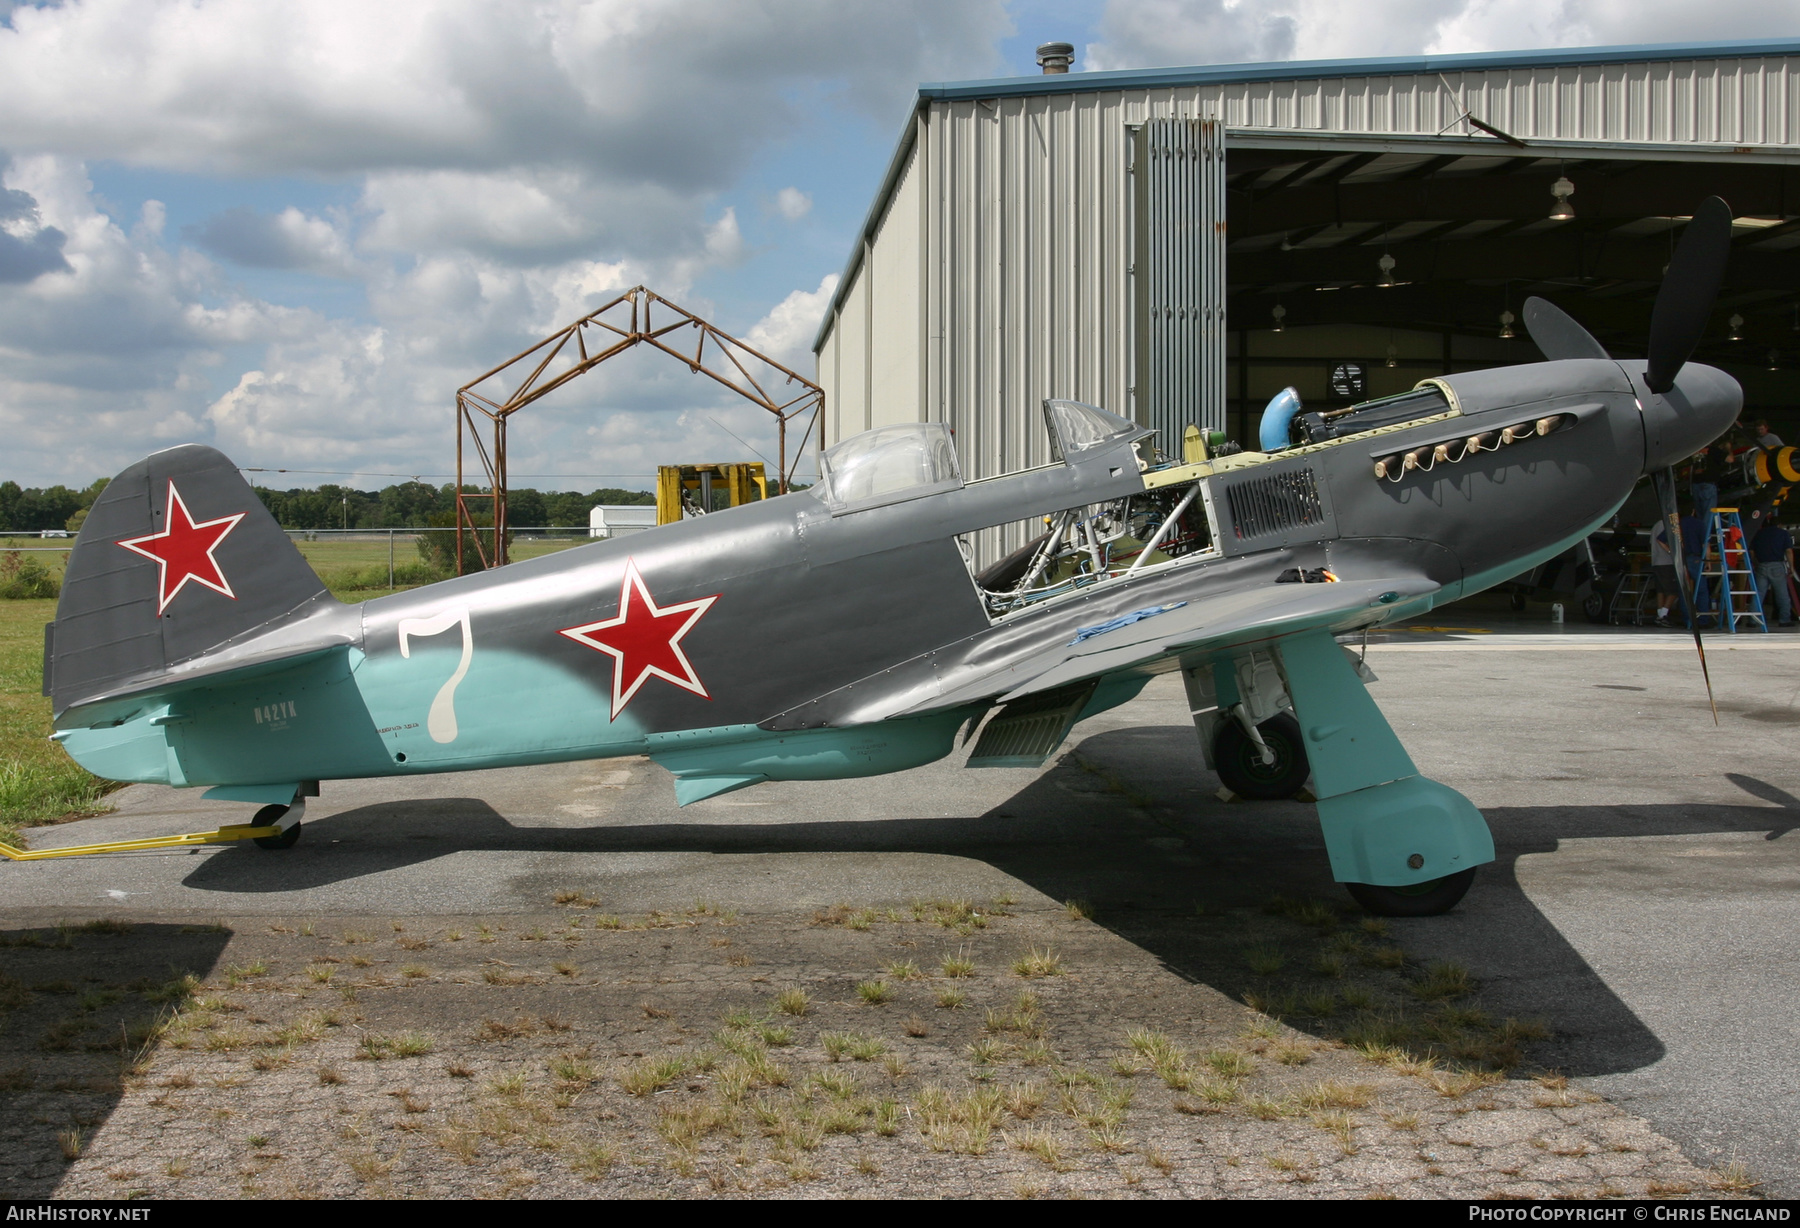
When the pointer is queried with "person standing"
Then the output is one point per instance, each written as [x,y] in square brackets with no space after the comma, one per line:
[1709,470]
[1662,568]
[1694,537]
[1772,549]
[1765,438]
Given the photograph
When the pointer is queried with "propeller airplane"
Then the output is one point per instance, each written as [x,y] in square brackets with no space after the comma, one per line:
[845,631]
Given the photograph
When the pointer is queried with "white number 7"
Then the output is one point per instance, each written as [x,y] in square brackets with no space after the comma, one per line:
[441,724]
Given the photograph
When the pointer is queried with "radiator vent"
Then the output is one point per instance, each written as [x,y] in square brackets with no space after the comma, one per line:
[1263,507]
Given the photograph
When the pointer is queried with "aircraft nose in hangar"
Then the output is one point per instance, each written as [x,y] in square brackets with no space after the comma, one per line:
[1700,407]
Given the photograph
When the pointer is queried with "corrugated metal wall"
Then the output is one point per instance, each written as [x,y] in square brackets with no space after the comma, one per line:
[1178,276]
[999,273]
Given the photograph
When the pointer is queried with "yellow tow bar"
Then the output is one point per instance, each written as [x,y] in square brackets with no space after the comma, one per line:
[225,835]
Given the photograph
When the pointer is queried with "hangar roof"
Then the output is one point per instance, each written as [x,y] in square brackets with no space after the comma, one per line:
[1302,70]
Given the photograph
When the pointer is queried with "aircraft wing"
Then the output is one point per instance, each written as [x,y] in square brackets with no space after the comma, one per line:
[1239,604]
[1207,624]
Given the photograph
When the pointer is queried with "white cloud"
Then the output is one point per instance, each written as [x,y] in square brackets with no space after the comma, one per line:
[786,333]
[793,204]
[286,240]
[513,167]
[1157,33]
[679,92]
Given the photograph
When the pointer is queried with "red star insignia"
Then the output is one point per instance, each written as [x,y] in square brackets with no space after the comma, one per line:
[644,640]
[184,550]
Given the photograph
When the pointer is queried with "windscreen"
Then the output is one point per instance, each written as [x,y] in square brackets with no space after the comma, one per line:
[1076,427]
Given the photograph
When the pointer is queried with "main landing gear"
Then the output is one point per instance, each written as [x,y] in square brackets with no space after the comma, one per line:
[1248,772]
[1426,899]
[1403,845]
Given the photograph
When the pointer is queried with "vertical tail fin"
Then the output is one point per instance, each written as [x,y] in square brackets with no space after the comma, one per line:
[176,557]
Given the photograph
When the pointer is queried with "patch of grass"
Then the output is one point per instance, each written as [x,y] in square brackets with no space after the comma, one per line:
[1229,1063]
[853,1045]
[958,966]
[905,970]
[1043,1146]
[959,1124]
[652,1075]
[574,1071]
[1079,910]
[1264,960]
[1734,1178]
[958,915]
[876,992]
[1035,963]
[793,1002]
[1443,981]
[951,998]
[1336,1095]
[375,1046]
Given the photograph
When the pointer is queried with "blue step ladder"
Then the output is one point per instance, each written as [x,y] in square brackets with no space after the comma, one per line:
[1733,591]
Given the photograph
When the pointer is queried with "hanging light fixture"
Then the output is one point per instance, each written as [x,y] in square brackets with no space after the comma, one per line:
[1386,265]
[1737,327]
[1280,314]
[1393,357]
[1506,325]
[1562,189]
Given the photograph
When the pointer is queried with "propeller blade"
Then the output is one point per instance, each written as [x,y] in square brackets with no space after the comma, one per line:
[1664,481]
[1685,301]
[1557,334]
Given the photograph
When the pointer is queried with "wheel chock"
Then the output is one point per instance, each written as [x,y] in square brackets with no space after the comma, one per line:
[224,835]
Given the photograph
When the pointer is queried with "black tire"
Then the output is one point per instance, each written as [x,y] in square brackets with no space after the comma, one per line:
[269,816]
[1517,602]
[1429,899]
[1594,606]
[1240,764]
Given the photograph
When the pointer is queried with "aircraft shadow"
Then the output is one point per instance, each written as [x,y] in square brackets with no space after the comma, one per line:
[1126,821]
[73,1004]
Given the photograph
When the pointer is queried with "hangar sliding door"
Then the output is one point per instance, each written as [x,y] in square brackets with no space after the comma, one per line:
[1178,276]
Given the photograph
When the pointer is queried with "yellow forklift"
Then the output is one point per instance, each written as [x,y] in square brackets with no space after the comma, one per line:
[686,491]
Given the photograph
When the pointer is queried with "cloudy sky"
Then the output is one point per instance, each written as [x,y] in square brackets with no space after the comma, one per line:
[291,230]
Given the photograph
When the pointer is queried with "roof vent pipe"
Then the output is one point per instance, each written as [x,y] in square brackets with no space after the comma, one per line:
[1055,58]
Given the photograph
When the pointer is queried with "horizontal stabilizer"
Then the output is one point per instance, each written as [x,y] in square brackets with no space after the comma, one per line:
[1025,732]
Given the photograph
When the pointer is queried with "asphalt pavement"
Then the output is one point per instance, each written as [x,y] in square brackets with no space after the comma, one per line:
[1643,903]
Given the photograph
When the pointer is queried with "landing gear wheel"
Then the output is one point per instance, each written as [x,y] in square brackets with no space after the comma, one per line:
[269,816]
[1517,602]
[1240,764]
[1594,606]
[1429,899]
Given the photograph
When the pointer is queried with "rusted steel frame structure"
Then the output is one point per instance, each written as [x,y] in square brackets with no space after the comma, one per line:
[481,417]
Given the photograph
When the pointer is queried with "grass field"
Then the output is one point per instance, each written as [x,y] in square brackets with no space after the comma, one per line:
[38,782]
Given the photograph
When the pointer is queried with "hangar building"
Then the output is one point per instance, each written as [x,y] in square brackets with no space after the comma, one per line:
[1180,244]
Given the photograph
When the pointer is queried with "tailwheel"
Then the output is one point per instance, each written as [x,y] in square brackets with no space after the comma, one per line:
[270,816]
[1427,899]
[1240,761]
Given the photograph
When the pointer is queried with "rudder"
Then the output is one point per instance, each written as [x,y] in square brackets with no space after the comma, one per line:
[176,557]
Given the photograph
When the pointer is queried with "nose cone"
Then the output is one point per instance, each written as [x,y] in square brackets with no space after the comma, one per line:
[1700,407]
